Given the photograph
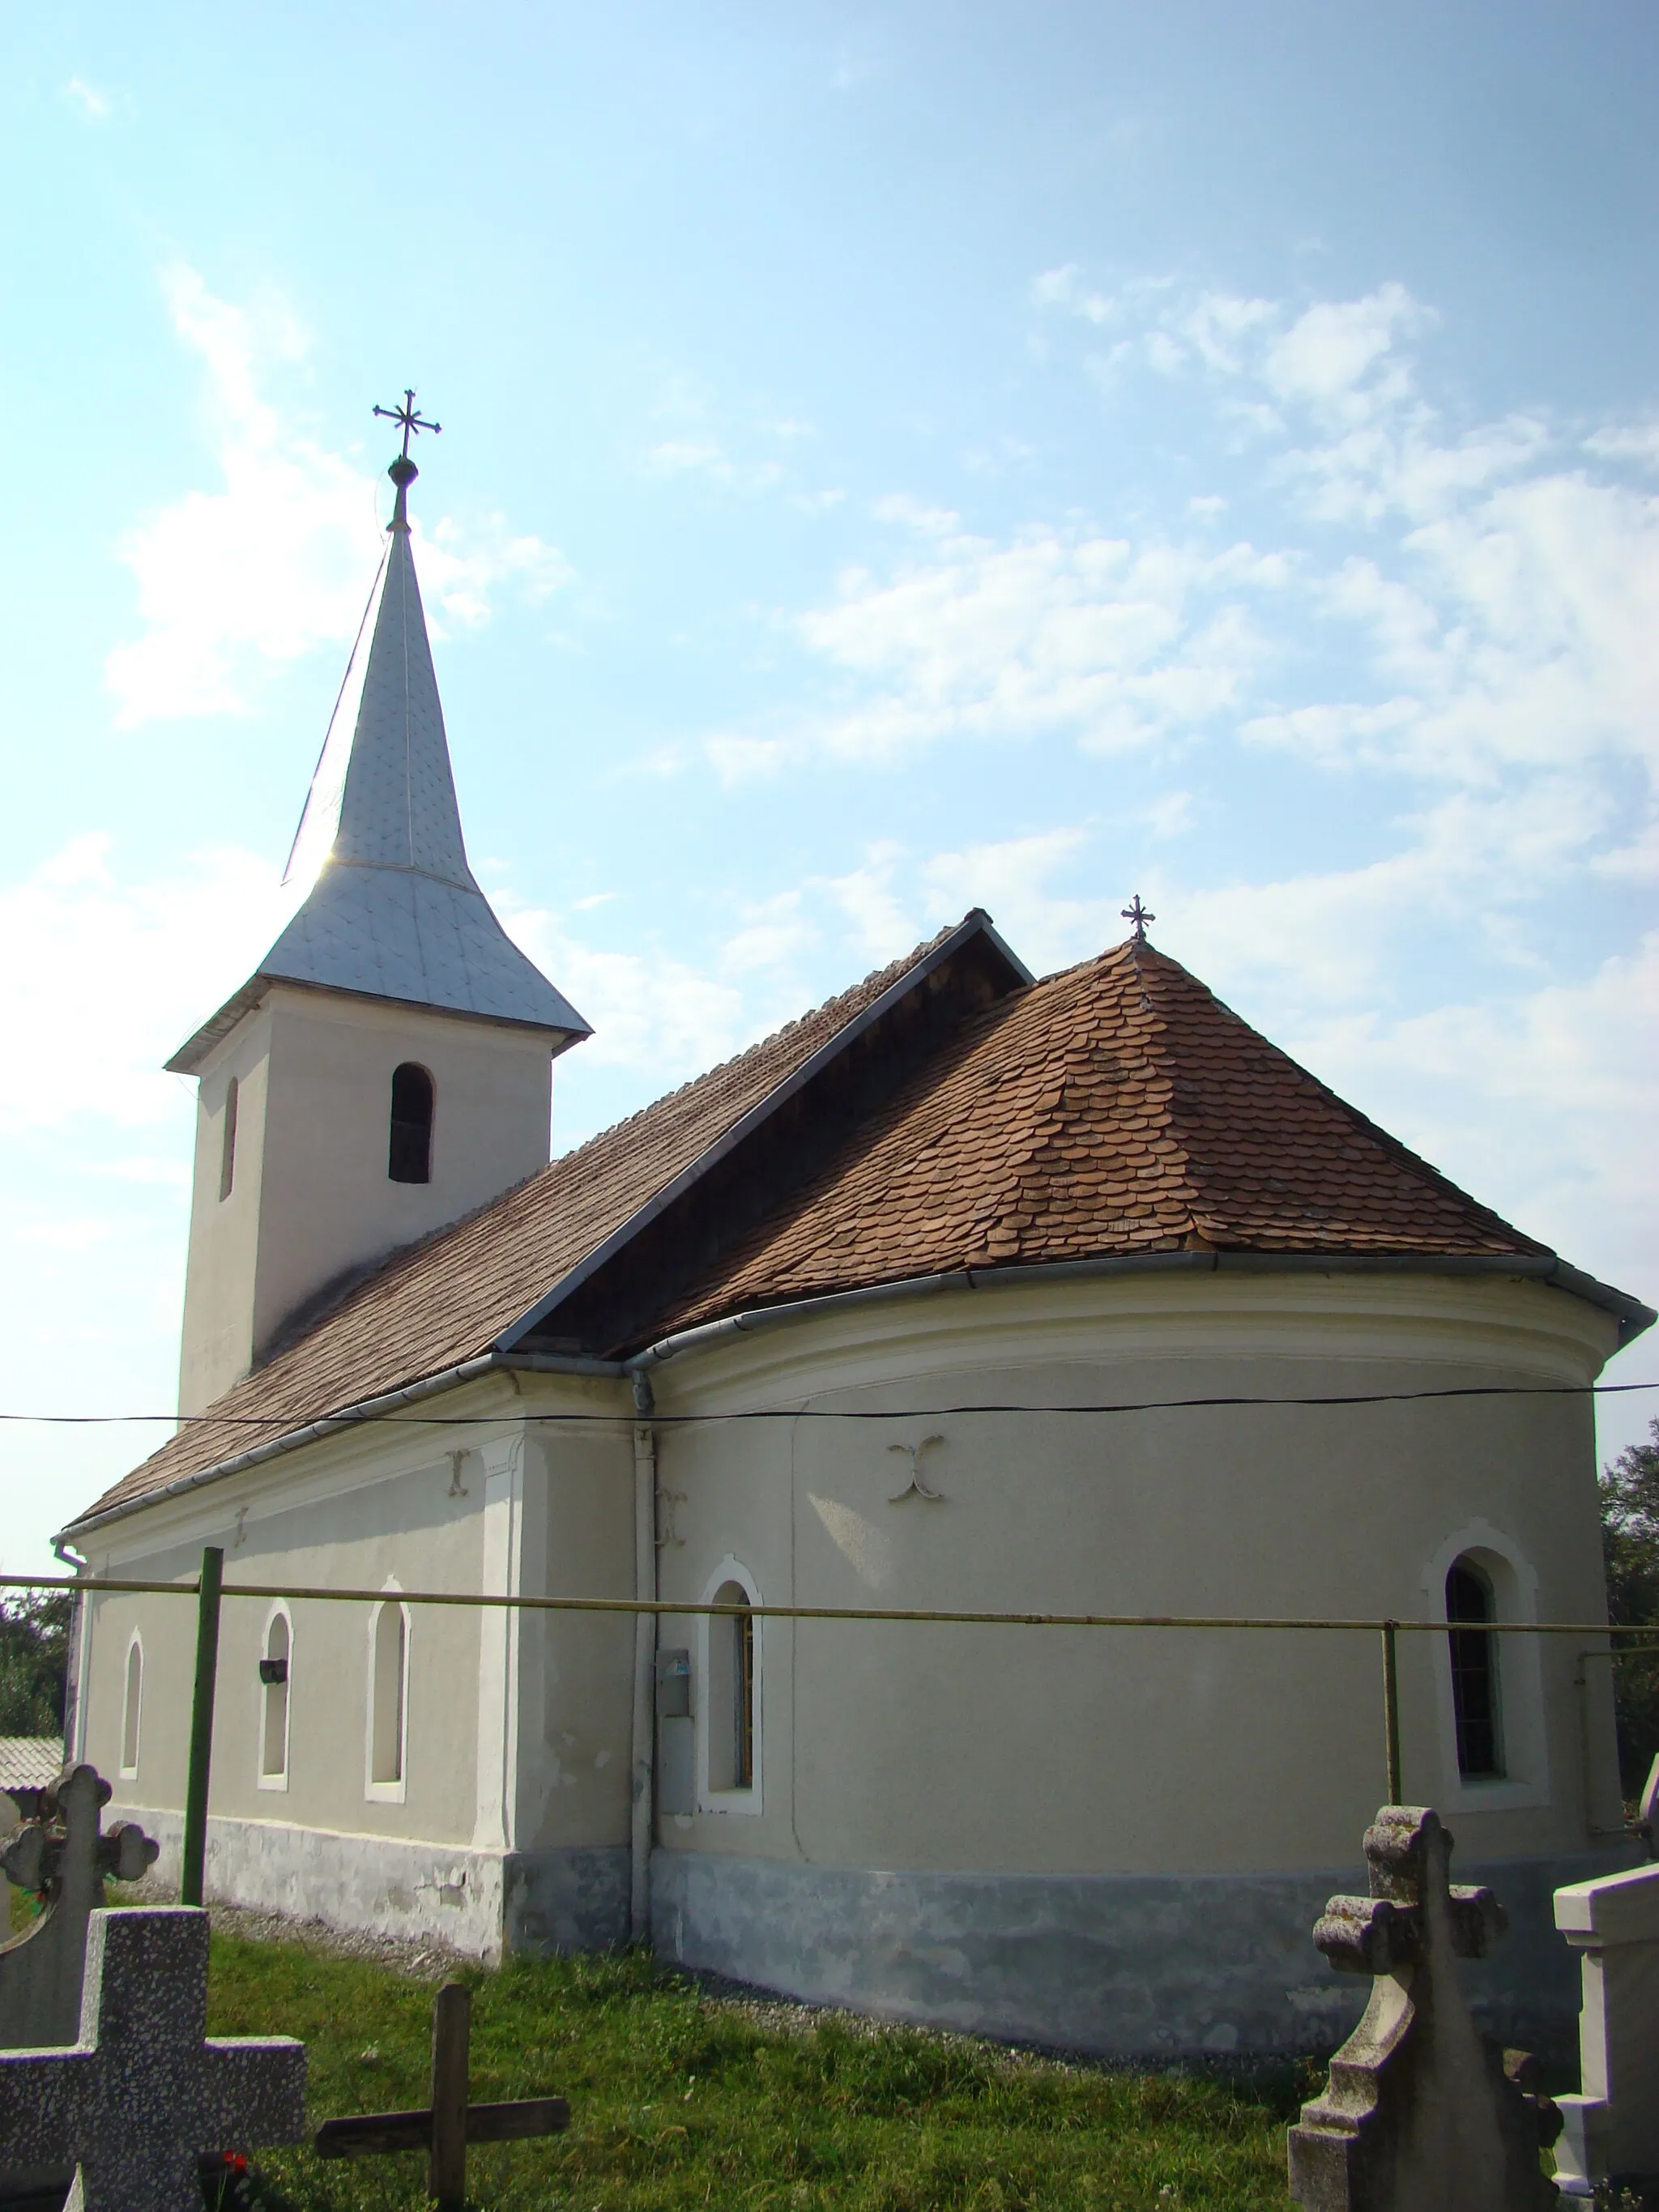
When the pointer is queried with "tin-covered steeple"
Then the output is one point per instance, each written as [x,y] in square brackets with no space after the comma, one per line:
[395,913]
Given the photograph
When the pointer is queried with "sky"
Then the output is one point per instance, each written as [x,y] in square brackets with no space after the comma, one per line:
[893,461]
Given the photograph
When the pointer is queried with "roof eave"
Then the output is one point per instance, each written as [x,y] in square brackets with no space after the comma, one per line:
[197,1050]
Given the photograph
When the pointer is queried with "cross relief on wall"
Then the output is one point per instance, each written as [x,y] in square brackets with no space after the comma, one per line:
[918,1486]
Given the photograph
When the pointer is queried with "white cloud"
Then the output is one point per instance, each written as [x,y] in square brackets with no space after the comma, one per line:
[1063,288]
[703,457]
[1089,637]
[94,105]
[279,561]
[104,977]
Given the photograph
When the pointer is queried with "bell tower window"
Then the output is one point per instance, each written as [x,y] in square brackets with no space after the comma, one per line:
[409,1158]
[228,1141]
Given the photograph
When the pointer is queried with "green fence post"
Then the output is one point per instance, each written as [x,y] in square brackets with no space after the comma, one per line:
[201,1726]
[1391,1711]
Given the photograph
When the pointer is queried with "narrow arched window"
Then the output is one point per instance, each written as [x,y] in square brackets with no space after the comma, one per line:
[732,1691]
[1471,1613]
[275,1671]
[388,1694]
[410,1159]
[131,1702]
[227,1141]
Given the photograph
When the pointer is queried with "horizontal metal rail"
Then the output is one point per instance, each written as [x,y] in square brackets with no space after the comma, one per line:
[118,1585]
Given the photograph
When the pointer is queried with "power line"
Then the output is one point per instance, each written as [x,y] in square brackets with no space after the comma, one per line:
[363,1417]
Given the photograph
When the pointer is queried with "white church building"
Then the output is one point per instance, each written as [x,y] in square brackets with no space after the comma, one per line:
[967,1292]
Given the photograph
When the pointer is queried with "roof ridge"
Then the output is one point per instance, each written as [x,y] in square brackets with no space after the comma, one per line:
[886,976]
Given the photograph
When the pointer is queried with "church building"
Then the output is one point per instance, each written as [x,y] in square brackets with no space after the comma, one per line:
[968,1292]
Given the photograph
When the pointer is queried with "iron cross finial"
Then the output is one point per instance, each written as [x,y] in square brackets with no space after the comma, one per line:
[409,419]
[1138,916]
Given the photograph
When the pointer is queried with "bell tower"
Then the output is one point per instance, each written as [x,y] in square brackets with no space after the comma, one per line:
[388,1067]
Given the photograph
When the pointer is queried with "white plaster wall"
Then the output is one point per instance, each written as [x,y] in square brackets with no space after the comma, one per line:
[1050,1750]
[518,1731]
[216,1344]
[311,1197]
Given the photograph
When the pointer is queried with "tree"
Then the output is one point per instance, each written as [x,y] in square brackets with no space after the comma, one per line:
[34,1663]
[1630,1548]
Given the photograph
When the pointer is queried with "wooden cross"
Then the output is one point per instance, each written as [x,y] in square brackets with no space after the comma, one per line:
[449,2124]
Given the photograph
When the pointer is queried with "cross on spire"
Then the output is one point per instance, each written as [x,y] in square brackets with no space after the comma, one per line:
[409,419]
[1138,916]
[403,471]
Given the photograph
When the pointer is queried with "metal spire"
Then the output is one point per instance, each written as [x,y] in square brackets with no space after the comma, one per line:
[403,471]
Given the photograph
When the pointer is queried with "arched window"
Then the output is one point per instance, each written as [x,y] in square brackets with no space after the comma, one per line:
[388,1696]
[131,1702]
[1471,1611]
[274,1669]
[409,1158]
[227,1141]
[732,1691]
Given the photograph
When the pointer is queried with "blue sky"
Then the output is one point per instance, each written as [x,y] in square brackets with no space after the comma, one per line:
[892,461]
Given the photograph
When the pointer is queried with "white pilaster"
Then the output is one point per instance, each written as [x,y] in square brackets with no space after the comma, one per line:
[496,1820]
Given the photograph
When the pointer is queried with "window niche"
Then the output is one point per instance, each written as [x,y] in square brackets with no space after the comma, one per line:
[729,1716]
[131,1707]
[276,1672]
[1477,1710]
[388,1701]
[1494,1752]
[409,1157]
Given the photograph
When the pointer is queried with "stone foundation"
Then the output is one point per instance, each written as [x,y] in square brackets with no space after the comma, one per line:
[1129,1965]
[479,1902]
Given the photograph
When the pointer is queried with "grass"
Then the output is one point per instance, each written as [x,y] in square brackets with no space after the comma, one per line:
[678,2099]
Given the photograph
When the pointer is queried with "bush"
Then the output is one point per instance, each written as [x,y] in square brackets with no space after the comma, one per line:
[34,1663]
[1630,1548]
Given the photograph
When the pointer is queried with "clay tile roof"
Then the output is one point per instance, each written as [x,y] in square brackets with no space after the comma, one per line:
[448,1298]
[1117,1108]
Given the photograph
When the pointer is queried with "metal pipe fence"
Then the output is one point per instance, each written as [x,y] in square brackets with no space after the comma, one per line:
[209,1589]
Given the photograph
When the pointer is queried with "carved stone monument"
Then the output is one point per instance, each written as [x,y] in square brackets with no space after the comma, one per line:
[62,1857]
[1612,2128]
[1420,2111]
[144,2092]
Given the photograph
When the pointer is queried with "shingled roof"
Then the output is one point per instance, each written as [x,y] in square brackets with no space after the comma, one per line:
[1115,1109]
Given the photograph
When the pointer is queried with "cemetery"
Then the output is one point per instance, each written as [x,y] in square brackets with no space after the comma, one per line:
[120,2091]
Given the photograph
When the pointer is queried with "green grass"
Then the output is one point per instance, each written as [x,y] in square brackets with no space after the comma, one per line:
[678,2100]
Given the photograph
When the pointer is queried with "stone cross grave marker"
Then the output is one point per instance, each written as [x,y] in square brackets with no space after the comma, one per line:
[61,1856]
[449,2124]
[144,2092]
[1420,2111]
[1612,2128]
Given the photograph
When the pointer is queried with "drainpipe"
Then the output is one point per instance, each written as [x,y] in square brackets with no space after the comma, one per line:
[644,1662]
[72,1653]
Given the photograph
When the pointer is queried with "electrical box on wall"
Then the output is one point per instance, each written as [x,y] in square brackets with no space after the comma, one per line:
[677,1787]
[673,1685]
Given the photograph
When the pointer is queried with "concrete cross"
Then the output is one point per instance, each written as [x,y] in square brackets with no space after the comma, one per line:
[144,2092]
[1421,2114]
[449,2124]
[63,1858]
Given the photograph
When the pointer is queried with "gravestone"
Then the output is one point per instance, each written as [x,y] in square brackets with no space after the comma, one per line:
[61,1856]
[1421,2113]
[140,2098]
[1611,2127]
